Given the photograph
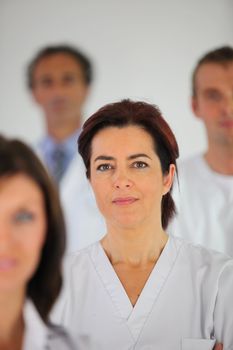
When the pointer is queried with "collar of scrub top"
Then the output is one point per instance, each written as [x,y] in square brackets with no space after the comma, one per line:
[69,146]
[36,332]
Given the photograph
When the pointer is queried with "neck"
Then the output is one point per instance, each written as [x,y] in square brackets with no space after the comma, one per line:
[134,247]
[11,320]
[60,131]
[220,159]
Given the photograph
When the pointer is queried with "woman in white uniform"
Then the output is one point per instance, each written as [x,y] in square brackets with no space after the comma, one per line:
[137,288]
[32,239]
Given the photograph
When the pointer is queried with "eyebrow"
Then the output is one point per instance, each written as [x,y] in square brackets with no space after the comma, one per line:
[210,88]
[138,155]
[133,156]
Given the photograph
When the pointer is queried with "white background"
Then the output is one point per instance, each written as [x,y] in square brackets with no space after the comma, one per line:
[141,49]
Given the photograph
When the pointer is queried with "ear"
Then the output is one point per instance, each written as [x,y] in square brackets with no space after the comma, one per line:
[195,106]
[168,179]
[35,95]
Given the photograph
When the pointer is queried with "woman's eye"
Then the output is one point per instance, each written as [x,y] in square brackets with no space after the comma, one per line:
[140,165]
[23,216]
[104,167]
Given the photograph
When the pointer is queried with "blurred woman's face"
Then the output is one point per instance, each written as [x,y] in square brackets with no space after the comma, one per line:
[22,230]
[126,177]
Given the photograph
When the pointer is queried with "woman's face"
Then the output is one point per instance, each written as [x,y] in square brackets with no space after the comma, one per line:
[22,230]
[126,177]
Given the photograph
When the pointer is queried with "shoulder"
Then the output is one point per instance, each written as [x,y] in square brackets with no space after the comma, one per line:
[187,170]
[79,269]
[208,260]
[81,260]
[40,335]
[191,163]
[74,258]
[192,173]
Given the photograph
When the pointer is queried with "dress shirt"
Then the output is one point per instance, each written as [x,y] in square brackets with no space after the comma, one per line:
[48,145]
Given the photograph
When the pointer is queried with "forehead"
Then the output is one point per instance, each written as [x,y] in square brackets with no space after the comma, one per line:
[57,63]
[126,139]
[20,184]
[214,75]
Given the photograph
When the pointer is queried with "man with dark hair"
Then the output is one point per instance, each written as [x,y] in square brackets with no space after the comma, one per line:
[205,194]
[59,79]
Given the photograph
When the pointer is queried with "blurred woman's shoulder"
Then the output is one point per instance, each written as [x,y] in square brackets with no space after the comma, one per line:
[39,335]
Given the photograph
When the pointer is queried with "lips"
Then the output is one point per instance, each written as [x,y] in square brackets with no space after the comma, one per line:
[124,200]
[226,123]
[7,264]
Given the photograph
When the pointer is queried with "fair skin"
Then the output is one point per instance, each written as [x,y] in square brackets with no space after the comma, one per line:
[213,104]
[22,234]
[129,185]
[60,90]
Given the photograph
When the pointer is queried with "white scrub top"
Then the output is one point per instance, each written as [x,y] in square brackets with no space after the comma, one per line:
[204,201]
[40,337]
[186,303]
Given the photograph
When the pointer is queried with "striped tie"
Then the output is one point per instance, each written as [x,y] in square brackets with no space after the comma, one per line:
[59,163]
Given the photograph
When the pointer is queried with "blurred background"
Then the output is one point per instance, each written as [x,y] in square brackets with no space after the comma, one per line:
[140,49]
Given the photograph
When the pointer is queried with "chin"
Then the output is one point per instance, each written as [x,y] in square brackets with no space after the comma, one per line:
[127,223]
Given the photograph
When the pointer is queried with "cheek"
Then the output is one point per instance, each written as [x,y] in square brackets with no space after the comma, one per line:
[208,110]
[40,96]
[32,252]
[152,193]
[102,193]
[153,188]
[35,239]
[78,95]
[40,235]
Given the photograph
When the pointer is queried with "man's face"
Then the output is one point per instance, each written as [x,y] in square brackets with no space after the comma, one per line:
[213,102]
[59,88]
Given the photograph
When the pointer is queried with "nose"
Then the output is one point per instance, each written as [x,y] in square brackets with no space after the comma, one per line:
[122,181]
[120,185]
[58,89]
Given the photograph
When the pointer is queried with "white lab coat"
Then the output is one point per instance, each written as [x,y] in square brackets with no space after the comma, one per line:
[38,336]
[204,201]
[185,304]
[84,222]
